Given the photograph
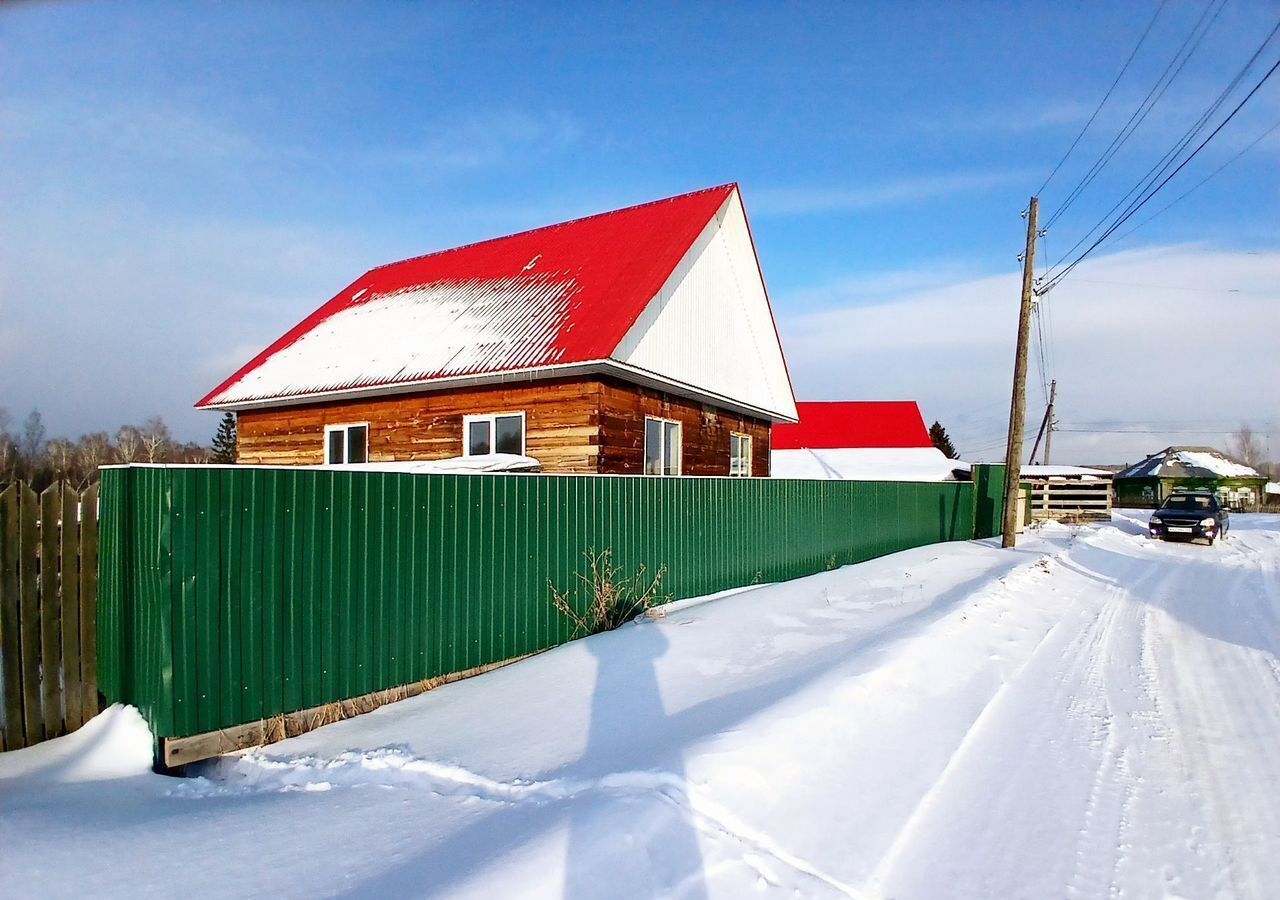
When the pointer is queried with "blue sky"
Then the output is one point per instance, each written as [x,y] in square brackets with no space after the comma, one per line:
[180,184]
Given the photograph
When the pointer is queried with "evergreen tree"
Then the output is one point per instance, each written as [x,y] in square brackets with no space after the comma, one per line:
[224,442]
[942,441]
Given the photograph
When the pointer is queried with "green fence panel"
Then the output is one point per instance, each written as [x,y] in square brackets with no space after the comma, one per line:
[988,507]
[230,594]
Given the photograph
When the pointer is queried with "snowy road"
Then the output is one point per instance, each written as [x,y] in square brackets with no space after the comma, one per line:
[1093,714]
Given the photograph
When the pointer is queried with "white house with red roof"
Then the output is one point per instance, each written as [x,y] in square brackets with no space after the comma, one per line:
[860,441]
[639,340]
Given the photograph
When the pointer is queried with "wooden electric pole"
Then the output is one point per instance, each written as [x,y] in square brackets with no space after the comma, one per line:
[1018,405]
[1048,434]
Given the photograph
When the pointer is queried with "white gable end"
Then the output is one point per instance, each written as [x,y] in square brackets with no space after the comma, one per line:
[710,326]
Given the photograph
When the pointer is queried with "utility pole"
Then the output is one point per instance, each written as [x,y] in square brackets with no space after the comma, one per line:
[1048,434]
[1018,405]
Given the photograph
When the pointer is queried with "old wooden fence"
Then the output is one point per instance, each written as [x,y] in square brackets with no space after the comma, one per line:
[48,612]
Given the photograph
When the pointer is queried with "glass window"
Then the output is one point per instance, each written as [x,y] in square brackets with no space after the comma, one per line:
[740,455]
[500,433]
[509,434]
[671,448]
[653,446]
[346,444]
[478,437]
[661,447]
[358,444]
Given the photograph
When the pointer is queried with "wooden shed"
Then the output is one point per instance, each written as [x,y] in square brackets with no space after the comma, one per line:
[634,341]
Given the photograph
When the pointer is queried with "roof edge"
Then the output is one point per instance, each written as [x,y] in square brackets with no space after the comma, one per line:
[625,371]
[728,186]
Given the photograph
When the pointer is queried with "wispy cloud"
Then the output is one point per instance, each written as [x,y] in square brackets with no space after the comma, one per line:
[481,140]
[811,200]
[951,346]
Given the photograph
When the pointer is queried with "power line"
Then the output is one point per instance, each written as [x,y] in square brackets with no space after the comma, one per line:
[1188,48]
[1105,97]
[1255,142]
[1137,205]
[1146,431]
[1162,165]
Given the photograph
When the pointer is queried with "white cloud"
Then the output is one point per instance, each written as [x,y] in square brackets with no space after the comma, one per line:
[1170,338]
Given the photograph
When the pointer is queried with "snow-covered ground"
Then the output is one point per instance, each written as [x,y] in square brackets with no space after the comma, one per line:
[1092,714]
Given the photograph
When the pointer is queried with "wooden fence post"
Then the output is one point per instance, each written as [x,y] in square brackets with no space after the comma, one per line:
[69,601]
[11,737]
[50,609]
[28,575]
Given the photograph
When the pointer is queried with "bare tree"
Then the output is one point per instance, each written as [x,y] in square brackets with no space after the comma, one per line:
[31,444]
[1246,447]
[190,452]
[157,442]
[92,450]
[8,452]
[128,444]
[62,459]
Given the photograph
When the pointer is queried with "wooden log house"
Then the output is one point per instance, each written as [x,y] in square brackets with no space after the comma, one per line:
[634,341]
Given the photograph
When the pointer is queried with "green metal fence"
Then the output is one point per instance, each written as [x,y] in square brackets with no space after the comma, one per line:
[233,594]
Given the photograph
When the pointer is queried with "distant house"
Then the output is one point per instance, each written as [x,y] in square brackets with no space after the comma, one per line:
[1148,483]
[634,341]
[861,441]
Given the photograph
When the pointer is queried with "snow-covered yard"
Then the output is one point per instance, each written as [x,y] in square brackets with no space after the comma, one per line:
[1093,713]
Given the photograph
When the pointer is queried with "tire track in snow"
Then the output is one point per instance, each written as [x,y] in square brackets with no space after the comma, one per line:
[1225,724]
[1020,579]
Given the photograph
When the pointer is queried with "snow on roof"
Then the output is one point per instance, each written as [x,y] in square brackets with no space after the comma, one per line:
[1189,462]
[1273,487]
[566,294]
[866,464]
[1064,472]
[854,423]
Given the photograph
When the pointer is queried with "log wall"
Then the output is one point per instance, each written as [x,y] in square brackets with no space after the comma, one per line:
[572,425]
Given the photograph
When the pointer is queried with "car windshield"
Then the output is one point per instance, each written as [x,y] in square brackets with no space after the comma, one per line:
[1192,502]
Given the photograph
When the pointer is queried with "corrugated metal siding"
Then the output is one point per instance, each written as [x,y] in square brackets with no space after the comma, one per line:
[710,326]
[231,594]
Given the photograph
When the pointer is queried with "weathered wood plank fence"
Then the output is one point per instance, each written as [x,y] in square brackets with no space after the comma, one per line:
[48,612]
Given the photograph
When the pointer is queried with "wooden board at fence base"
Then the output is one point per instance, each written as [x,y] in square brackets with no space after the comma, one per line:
[180,751]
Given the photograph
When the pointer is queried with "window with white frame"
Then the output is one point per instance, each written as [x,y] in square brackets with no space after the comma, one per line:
[346,444]
[740,455]
[662,446]
[497,433]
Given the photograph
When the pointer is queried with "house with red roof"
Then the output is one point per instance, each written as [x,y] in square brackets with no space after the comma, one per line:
[634,341]
[861,441]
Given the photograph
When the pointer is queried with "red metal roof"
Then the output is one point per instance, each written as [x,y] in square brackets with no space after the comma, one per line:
[561,294]
[853,423]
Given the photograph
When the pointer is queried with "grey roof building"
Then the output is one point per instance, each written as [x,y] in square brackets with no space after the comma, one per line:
[1148,483]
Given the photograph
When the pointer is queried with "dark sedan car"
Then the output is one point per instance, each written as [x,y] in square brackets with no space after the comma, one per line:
[1190,515]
